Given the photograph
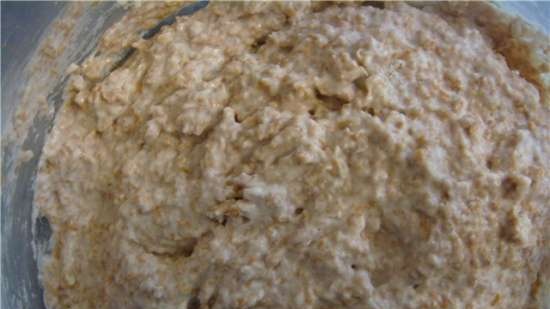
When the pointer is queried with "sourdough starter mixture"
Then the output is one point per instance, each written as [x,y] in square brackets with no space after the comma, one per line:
[288,155]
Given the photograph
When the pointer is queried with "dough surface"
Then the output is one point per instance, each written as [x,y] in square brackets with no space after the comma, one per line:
[295,155]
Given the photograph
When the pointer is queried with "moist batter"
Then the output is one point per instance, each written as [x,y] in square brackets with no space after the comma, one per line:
[288,155]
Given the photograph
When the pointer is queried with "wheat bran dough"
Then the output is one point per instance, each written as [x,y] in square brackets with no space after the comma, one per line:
[295,155]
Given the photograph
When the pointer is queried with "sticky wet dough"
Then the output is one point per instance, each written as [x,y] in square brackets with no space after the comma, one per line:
[295,155]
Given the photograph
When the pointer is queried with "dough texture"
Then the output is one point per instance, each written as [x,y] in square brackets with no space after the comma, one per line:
[296,155]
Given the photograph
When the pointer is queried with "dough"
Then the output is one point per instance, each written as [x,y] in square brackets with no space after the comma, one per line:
[295,155]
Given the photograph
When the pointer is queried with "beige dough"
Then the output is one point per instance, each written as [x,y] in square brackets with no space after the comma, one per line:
[288,155]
